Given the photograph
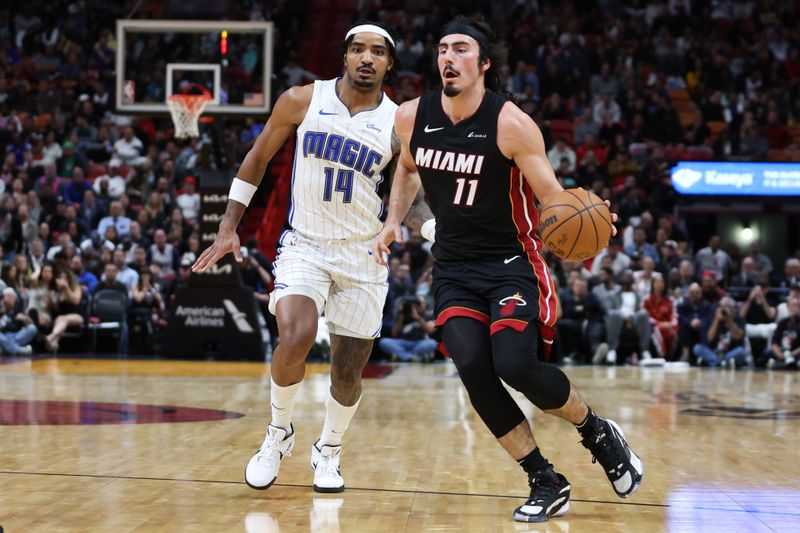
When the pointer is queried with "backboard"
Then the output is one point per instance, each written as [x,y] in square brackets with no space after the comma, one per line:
[157,58]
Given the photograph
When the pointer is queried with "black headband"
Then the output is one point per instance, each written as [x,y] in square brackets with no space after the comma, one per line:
[466,29]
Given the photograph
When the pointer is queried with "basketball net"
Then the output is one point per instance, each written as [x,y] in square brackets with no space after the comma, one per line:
[186,110]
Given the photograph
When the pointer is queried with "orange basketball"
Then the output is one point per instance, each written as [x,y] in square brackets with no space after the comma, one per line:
[575,224]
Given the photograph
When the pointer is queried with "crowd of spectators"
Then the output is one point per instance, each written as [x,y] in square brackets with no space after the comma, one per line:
[91,200]
[607,76]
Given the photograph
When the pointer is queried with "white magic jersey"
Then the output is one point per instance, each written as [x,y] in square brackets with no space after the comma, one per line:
[337,167]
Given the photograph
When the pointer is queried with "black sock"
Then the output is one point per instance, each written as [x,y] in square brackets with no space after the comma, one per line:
[585,428]
[533,462]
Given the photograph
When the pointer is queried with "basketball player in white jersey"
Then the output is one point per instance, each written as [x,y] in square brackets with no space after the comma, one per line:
[345,140]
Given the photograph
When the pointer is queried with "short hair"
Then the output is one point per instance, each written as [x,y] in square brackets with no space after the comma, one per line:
[397,65]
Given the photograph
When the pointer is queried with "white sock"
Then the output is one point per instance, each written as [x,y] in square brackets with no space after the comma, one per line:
[337,420]
[282,400]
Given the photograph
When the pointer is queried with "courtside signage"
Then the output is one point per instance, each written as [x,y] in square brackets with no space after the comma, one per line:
[751,179]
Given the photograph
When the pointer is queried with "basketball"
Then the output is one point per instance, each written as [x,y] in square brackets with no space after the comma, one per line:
[575,224]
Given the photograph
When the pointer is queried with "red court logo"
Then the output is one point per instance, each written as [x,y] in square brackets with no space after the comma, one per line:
[59,413]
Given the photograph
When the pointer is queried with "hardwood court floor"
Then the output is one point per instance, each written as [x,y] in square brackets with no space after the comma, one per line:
[720,450]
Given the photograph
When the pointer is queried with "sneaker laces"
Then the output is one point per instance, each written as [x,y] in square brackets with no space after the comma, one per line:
[544,484]
[265,454]
[327,466]
[603,449]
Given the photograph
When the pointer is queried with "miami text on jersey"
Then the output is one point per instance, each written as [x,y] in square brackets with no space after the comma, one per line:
[337,148]
[449,161]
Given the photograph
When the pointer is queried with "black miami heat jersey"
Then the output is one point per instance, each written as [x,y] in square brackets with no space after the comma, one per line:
[484,208]
[488,264]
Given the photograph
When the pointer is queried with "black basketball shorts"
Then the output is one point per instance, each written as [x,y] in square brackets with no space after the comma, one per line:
[509,292]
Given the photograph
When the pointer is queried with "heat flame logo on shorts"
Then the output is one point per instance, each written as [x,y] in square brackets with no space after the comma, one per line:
[509,304]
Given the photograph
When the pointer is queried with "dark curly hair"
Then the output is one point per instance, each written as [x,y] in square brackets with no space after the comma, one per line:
[396,65]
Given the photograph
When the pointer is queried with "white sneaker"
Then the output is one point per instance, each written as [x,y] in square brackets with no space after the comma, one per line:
[262,470]
[325,462]
[647,355]
[611,357]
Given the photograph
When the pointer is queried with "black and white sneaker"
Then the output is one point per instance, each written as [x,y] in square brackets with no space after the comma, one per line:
[549,497]
[623,467]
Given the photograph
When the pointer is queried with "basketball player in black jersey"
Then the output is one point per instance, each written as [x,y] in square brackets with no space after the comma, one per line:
[481,161]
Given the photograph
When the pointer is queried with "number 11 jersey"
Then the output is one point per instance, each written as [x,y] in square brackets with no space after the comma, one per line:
[484,208]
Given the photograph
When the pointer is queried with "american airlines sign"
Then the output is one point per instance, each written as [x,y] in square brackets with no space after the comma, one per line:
[207,316]
[214,320]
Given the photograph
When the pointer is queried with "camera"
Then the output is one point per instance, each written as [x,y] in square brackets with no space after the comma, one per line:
[726,312]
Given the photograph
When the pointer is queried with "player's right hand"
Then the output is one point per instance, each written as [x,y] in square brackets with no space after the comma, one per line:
[380,248]
[227,241]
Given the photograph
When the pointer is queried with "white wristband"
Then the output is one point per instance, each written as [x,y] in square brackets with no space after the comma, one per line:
[242,191]
[428,230]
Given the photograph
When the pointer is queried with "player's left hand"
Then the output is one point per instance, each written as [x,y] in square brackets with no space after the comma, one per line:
[380,247]
[614,218]
[227,241]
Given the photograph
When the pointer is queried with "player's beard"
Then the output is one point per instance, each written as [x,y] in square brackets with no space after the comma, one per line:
[451,90]
[364,84]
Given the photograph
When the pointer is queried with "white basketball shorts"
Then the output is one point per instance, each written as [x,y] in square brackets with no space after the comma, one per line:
[346,284]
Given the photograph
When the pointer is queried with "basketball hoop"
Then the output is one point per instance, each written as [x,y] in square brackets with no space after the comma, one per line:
[186,109]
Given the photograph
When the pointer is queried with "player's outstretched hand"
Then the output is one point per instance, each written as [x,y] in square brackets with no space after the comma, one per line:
[380,248]
[227,241]
[614,218]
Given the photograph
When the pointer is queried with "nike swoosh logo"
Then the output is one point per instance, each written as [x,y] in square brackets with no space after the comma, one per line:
[428,129]
[507,261]
[321,112]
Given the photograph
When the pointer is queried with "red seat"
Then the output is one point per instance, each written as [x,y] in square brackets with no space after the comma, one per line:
[699,153]
[562,128]
[674,153]
[96,170]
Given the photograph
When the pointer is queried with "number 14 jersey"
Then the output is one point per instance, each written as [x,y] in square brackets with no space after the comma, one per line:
[338,165]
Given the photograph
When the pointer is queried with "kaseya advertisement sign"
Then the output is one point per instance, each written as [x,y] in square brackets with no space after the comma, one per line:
[750,179]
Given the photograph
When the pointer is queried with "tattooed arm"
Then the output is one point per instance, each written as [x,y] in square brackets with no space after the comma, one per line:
[406,186]
[419,212]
